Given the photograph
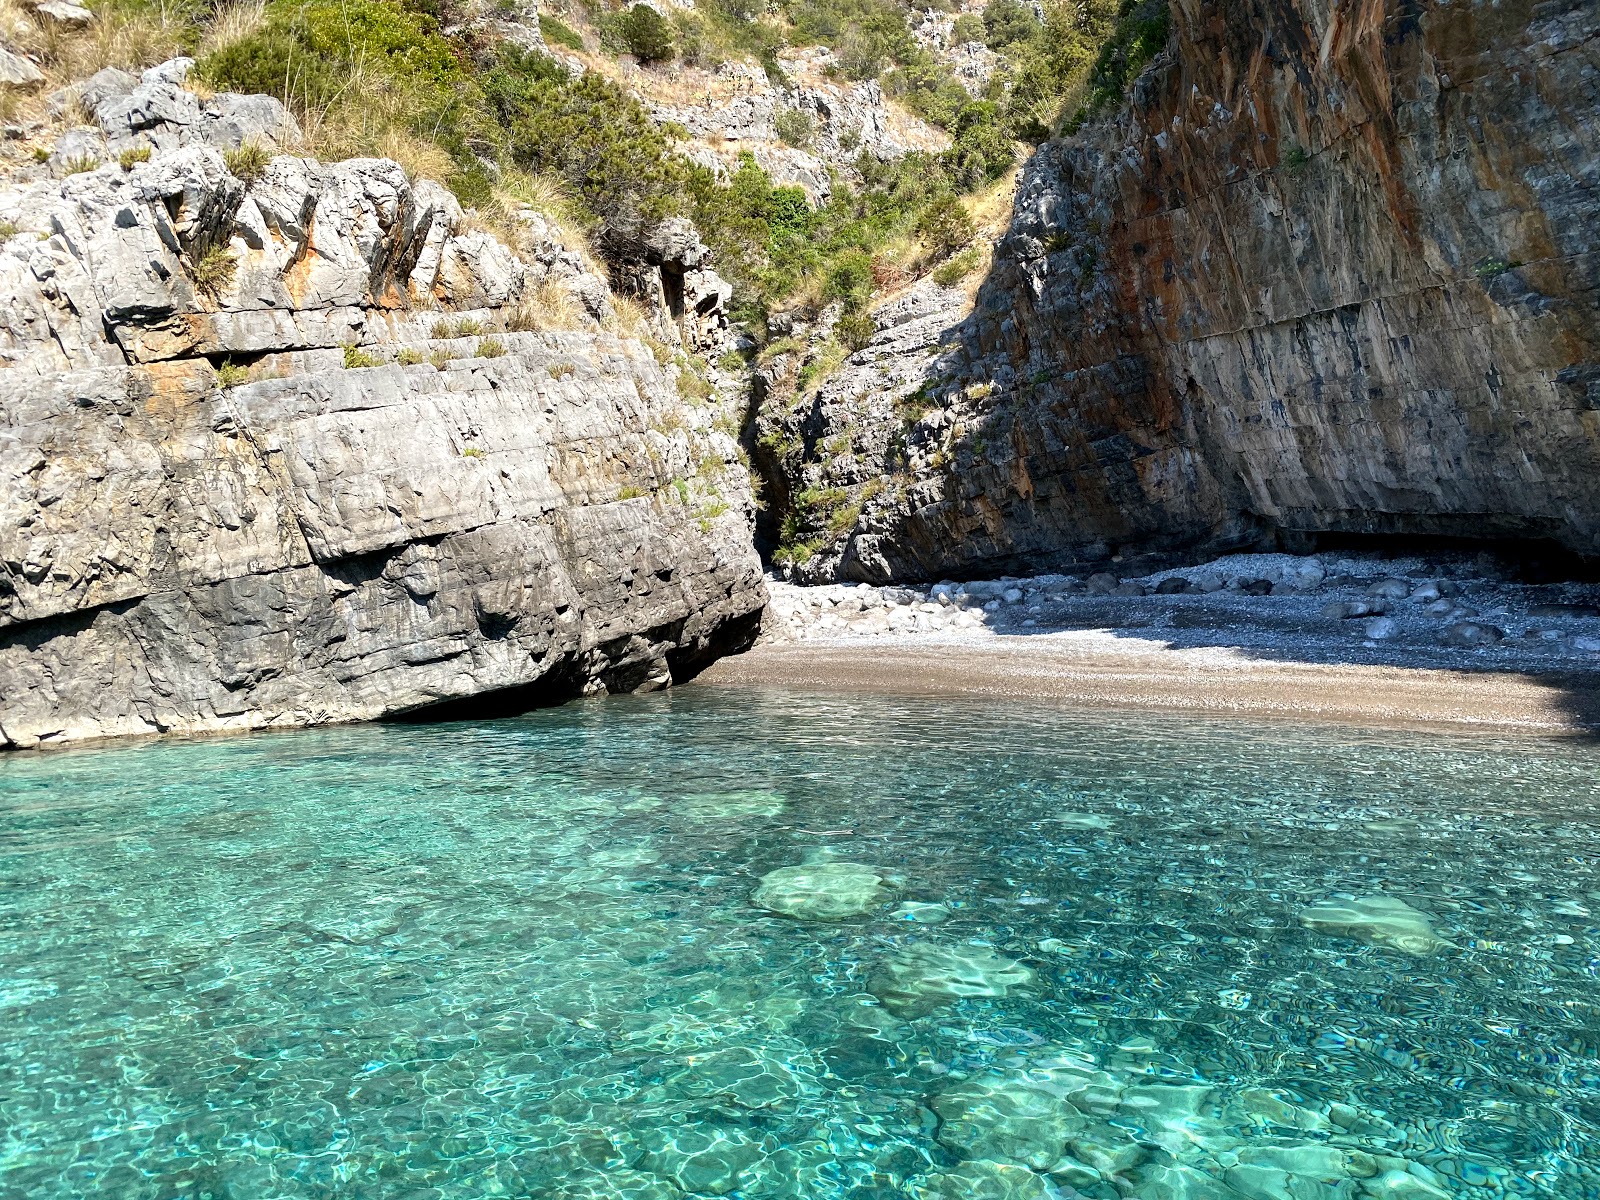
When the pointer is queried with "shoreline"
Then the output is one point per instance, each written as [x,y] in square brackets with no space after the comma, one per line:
[1100,668]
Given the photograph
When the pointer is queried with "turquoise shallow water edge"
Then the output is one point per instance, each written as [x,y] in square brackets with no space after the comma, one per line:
[1070,955]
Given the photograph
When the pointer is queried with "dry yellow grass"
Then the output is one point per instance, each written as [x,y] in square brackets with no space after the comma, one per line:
[232,23]
[548,306]
[628,318]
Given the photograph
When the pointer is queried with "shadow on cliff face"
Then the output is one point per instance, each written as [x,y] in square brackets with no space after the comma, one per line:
[632,667]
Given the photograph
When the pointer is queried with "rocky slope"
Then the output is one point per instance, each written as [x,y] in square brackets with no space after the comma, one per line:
[297,444]
[1333,270]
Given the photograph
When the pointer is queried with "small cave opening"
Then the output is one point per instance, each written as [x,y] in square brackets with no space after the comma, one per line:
[550,690]
[1531,560]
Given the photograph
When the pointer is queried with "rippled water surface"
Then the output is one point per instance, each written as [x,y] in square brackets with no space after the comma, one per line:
[1065,954]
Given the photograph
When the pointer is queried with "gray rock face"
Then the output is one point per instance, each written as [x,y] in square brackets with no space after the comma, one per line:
[1347,284]
[277,492]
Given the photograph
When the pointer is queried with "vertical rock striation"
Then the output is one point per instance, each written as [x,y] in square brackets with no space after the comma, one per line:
[1333,269]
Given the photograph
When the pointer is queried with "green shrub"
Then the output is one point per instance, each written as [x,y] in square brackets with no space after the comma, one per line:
[945,226]
[956,268]
[133,156]
[559,33]
[471,452]
[615,159]
[80,163]
[855,330]
[248,163]
[1008,23]
[231,374]
[795,127]
[355,356]
[968,27]
[409,357]
[646,34]
[630,492]
[7,230]
[491,348]
[1140,34]
[849,280]
[213,272]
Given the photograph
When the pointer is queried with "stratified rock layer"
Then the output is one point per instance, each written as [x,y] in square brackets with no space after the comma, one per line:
[1333,270]
[253,475]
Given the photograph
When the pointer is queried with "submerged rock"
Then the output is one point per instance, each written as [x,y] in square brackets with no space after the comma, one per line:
[1005,1117]
[750,803]
[981,1179]
[621,1184]
[1380,920]
[1081,821]
[822,891]
[707,1159]
[920,913]
[925,977]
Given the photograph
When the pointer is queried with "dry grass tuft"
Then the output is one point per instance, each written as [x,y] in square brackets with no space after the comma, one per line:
[233,22]
[628,318]
[547,306]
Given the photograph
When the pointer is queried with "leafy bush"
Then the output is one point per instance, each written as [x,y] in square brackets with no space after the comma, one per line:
[491,348]
[945,226]
[646,34]
[409,356]
[855,330]
[616,160]
[849,280]
[559,33]
[248,163]
[1140,34]
[795,127]
[355,356]
[968,27]
[1007,23]
[231,374]
[133,156]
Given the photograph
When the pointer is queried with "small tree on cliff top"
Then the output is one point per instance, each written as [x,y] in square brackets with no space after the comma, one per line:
[647,34]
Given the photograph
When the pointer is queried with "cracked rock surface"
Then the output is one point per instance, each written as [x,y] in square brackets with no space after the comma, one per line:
[278,452]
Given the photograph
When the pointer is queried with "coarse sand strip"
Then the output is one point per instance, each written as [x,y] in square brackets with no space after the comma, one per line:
[1099,669]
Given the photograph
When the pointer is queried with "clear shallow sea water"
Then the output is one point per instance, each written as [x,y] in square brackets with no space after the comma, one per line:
[521,958]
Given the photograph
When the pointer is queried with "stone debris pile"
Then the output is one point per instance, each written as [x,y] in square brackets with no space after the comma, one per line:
[1327,601]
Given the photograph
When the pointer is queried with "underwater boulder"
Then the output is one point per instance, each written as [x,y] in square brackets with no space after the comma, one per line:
[709,1159]
[1005,1117]
[1380,920]
[619,1184]
[827,891]
[712,806]
[926,977]
[920,913]
[981,1179]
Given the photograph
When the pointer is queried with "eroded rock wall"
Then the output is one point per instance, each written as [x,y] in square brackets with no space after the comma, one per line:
[342,474]
[1333,269]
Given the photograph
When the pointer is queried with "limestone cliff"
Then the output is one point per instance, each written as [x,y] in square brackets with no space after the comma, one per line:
[1332,269]
[298,444]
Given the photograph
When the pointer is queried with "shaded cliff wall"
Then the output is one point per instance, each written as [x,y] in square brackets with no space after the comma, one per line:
[1332,269]
[321,481]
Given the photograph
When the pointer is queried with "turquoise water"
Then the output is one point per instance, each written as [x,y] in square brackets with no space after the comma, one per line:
[1102,956]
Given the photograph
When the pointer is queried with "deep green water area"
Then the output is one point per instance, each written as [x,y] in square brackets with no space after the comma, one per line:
[767,944]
